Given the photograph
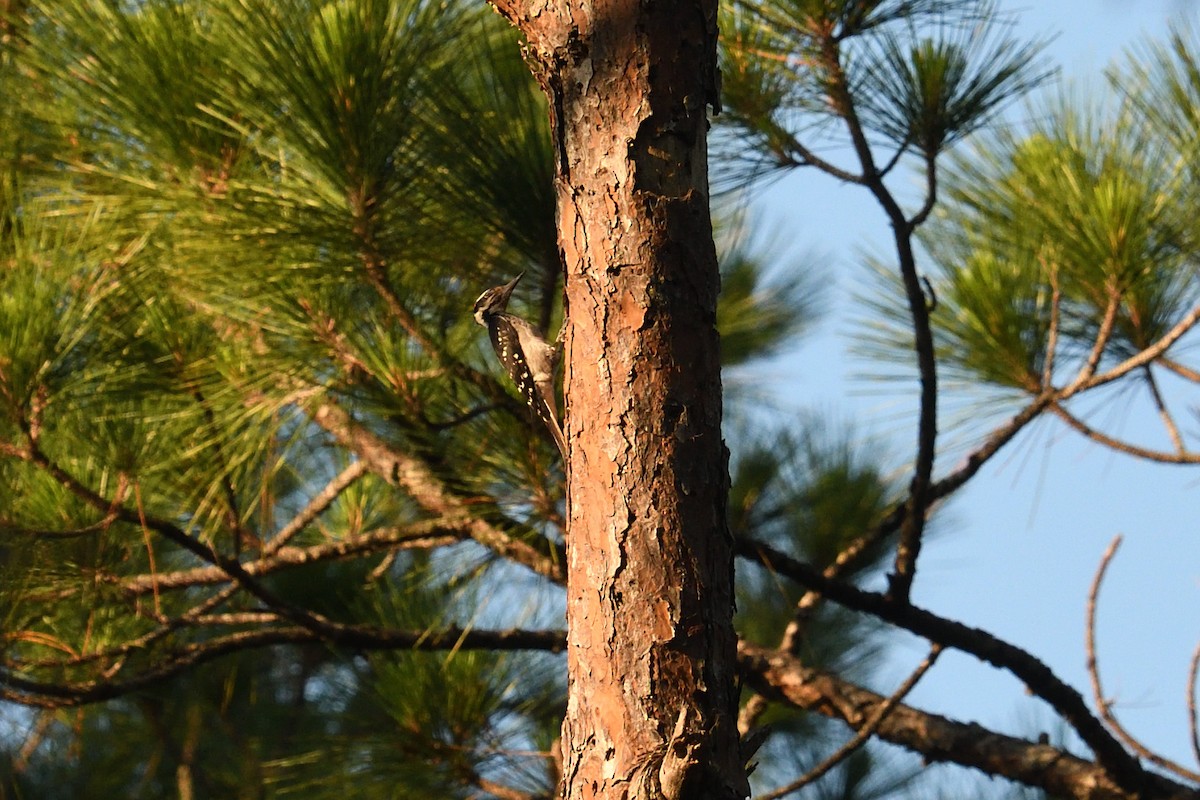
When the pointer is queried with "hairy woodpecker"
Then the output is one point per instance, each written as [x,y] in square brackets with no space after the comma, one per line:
[527,358]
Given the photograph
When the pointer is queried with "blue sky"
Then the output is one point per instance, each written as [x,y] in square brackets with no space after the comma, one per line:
[1018,549]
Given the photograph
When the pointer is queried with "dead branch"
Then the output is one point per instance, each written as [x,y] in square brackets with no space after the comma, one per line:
[316,505]
[1103,705]
[783,678]
[868,729]
[424,534]
[18,689]
[1193,724]
[847,558]
[1121,446]
[1163,412]
[401,469]
[1040,679]
[1102,337]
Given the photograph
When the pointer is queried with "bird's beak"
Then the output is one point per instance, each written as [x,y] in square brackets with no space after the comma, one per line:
[508,287]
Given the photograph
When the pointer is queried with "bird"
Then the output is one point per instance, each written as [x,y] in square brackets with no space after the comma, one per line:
[526,356]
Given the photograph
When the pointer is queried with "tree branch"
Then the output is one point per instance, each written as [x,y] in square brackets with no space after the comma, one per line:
[1093,669]
[996,440]
[423,534]
[316,505]
[28,692]
[1163,412]
[317,623]
[1193,721]
[1102,336]
[1120,446]
[868,728]
[1182,370]
[931,184]
[783,678]
[1041,681]
[1147,355]
[912,522]
[846,559]
[542,556]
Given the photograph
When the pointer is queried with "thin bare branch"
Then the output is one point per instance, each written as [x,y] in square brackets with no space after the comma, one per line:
[1120,446]
[421,535]
[1088,370]
[1052,333]
[864,732]
[1103,705]
[401,469]
[42,724]
[317,623]
[115,655]
[1147,355]
[1040,679]
[1163,412]
[847,558]
[1182,370]
[782,677]
[1193,721]
[931,186]
[56,695]
[316,506]
[807,158]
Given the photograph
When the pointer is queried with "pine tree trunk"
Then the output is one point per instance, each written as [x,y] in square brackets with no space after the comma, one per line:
[652,701]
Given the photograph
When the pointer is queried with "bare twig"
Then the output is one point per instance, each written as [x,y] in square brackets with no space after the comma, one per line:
[44,720]
[1040,679]
[1120,446]
[407,471]
[1052,333]
[316,505]
[784,679]
[847,558]
[1147,355]
[1103,705]
[865,732]
[1163,413]
[998,438]
[1193,722]
[810,159]
[436,532]
[56,695]
[1103,334]
[1182,370]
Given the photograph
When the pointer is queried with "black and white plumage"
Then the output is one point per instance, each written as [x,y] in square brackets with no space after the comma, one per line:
[527,358]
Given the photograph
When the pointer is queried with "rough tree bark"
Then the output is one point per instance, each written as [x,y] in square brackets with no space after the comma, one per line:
[651,647]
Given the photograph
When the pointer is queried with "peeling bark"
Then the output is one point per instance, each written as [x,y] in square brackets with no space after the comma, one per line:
[651,647]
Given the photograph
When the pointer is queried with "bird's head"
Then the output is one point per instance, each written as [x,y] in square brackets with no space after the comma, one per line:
[494,300]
